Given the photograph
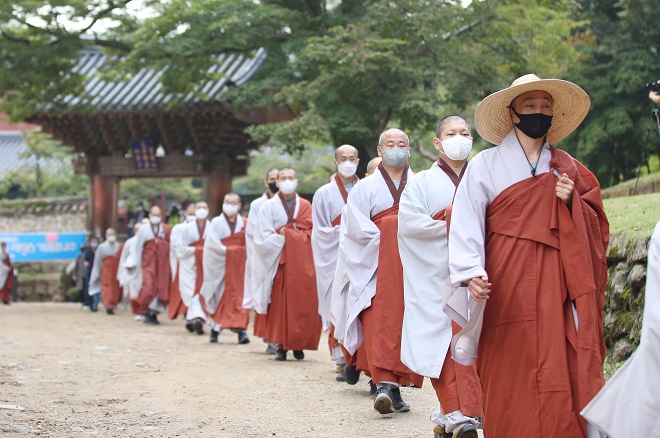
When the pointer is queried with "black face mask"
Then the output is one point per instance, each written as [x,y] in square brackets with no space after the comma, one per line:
[272,186]
[533,125]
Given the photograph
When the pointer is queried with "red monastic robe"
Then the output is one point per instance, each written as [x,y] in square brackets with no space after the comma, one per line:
[230,312]
[111,291]
[293,318]
[176,306]
[382,322]
[5,290]
[156,275]
[541,257]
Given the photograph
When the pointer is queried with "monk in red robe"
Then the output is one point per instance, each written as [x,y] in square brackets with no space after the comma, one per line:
[528,239]
[6,275]
[154,255]
[283,270]
[369,310]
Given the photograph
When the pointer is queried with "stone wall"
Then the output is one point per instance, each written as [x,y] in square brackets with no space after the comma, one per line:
[57,215]
[624,300]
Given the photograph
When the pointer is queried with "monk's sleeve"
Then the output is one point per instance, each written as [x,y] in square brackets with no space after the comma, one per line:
[95,276]
[415,218]
[467,254]
[213,261]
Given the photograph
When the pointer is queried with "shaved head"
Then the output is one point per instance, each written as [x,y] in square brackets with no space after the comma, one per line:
[154,211]
[394,133]
[346,149]
[200,204]
[371,166]
[190,209]
[110,232]
[232,198]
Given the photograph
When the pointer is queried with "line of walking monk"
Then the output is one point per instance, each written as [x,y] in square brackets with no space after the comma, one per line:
[489,311]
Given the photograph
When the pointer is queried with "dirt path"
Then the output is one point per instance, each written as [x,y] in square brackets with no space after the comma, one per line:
[78,374]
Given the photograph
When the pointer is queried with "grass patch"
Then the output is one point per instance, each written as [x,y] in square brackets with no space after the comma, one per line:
[636,215]
[646,182]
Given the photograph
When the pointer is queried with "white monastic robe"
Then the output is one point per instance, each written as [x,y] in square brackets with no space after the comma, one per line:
[130,271]
[104,250]
[185,253]
[174,244]
[628,405]
[355,285]
[215,254]
[266,250]
[253,216]
[329,200]
[423,249]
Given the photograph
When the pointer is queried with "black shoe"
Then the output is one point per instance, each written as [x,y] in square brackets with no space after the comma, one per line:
[213,339]
[397,402]
[198,325]
[109,311]
[352,375]
[271,349]
[190,327]
[466,430]
[243,337]
[93,309]
[6,303]
[383,401]
[372,387]
[280,355]
[299,354]
[147,318]
[154,319]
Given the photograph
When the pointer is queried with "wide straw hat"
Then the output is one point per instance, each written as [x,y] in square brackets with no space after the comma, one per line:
[570,105]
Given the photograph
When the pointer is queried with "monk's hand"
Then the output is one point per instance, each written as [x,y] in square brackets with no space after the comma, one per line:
[283,231]
[564,189]
[479,288]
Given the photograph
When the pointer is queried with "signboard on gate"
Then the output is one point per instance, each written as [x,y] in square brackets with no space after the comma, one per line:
[144,155]
[43,247]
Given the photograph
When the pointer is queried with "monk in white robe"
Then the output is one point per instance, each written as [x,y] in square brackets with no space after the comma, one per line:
[224,264]
[424,213]
[177,307]
[152,252]
[283,280]
[372,165]
[260,328]
[369,307]
[528,238]
[629,403]
[327,205]
[129,272]
[106,265]
[189,250]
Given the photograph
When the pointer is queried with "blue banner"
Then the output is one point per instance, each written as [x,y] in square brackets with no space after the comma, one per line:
[43,247]
[144,155]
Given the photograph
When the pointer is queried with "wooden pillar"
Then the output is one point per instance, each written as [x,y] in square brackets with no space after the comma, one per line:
[215,186]
[106,194]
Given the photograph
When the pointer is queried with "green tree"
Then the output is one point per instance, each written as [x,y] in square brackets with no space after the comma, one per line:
[348,69]
[619,53]
[46,169]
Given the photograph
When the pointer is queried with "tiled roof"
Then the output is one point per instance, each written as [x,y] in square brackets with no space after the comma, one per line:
[143,92]
[11,147]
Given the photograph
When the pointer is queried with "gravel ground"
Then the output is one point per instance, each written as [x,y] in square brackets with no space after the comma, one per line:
[65,372]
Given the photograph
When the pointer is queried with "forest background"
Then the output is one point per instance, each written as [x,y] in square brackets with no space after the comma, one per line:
[348,69]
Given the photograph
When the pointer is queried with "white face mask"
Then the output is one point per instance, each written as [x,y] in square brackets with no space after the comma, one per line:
[457,147]
[347,169]
[191,218]
[288,186]
[154,219]
[201,213]
[395,157]
[229,209]
[112,239]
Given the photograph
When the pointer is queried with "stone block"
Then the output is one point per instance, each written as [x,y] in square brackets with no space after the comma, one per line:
[616,250]
[637,276]
[639,250]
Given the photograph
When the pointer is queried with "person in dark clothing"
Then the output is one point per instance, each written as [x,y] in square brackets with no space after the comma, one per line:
[88,263]
[78,275]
